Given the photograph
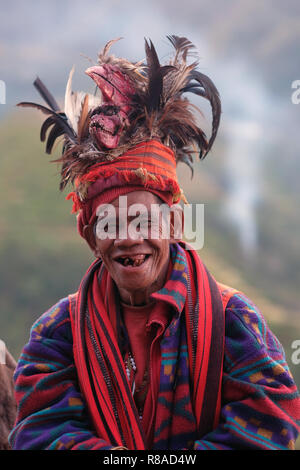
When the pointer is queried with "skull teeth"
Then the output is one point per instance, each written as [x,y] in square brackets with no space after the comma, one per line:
[97,125]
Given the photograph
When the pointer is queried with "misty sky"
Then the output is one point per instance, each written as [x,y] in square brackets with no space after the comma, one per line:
[47,37]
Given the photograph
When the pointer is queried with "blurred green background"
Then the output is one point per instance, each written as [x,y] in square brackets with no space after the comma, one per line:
[249,183]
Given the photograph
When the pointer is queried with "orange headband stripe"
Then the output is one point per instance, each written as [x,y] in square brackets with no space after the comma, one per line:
[152,156]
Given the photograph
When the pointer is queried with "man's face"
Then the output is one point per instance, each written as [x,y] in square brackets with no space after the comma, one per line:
[136,257]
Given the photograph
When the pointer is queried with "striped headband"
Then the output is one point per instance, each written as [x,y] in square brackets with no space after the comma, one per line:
[150,165]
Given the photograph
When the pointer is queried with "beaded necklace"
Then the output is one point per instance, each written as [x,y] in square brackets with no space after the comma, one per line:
[138,393]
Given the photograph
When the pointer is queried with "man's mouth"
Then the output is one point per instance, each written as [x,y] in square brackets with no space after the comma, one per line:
[132,261]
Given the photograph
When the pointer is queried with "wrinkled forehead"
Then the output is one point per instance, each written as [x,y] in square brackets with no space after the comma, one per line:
[141,197]
[144,199]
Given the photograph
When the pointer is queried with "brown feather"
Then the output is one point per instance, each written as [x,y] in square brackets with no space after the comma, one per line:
[182,47]
[83,119]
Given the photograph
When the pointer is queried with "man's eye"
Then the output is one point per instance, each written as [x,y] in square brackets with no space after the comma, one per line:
[111,228]
[145,222]
[107,228]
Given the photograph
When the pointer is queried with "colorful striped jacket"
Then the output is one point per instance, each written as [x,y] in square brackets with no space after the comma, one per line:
[260,401]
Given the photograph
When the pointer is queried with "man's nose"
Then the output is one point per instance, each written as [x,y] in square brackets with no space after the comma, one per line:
[129,239]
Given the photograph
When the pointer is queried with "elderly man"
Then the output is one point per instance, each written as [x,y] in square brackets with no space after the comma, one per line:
[150,352]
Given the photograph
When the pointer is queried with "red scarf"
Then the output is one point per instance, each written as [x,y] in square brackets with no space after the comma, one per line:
[99,362]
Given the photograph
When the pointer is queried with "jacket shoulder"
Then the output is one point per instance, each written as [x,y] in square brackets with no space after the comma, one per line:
[226,293]
[53,322]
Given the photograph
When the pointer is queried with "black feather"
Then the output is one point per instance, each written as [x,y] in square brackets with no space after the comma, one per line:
[59,120]
[193,88]
[155,77]
[45,93]
[206,88]
[55,132]
[203,81]
[184,158]
[28,104]
[45,126]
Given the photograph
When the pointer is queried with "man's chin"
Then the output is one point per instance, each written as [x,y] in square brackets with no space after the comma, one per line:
[136,280]
[135,284]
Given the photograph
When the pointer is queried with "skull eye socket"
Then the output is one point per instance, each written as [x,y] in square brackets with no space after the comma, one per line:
[110,110]
[106,110]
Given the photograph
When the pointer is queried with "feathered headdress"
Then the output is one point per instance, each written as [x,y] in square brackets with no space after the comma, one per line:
[139,102]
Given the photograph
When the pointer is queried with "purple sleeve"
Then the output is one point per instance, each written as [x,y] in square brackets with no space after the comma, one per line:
[260,401]
[51,413]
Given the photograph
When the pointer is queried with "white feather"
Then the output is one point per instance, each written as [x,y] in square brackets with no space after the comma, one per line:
[74,101]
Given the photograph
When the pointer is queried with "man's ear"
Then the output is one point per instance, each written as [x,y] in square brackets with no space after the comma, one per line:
[89,235]
[176,223]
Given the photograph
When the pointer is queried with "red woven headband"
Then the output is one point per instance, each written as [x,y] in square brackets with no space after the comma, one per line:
[150,166]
